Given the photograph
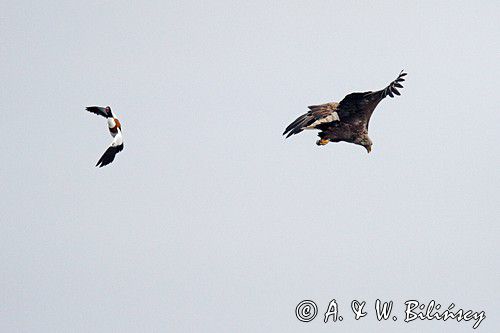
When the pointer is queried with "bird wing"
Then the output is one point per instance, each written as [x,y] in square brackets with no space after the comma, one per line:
[97,110]
[115,148]
[318,115]
[359,106]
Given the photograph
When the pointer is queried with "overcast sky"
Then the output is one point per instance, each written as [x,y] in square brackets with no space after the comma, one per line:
[209,221]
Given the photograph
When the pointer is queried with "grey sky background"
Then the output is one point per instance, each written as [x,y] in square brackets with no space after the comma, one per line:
[209,221]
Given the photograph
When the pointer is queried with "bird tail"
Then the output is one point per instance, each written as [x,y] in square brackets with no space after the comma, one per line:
[296,126]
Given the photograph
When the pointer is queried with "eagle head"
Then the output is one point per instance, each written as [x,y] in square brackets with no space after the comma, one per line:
[365,142]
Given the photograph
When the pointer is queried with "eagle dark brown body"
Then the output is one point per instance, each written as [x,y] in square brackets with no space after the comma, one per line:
[347,120]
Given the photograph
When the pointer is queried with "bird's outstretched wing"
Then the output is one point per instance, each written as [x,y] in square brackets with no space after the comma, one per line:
[109,154]
[360,105]
[98,110]
[392,88]
[318,115]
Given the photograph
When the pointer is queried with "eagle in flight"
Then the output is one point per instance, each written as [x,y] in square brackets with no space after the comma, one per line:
[115,129]
[347,120]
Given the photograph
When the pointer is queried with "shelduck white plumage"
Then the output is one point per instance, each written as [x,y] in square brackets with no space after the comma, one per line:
[115,129]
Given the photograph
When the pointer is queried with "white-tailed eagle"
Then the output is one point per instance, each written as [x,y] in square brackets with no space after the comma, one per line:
[347,120]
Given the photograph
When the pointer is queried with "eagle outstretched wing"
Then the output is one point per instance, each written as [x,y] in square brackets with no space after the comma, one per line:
[360,105]
[318,115]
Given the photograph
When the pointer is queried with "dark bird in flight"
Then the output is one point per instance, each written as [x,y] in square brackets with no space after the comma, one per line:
[347,120]
[115,129]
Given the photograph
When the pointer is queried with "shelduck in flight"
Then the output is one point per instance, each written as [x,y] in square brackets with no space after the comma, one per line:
[115,130]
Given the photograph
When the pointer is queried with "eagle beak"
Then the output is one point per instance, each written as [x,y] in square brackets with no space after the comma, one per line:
[368,149]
